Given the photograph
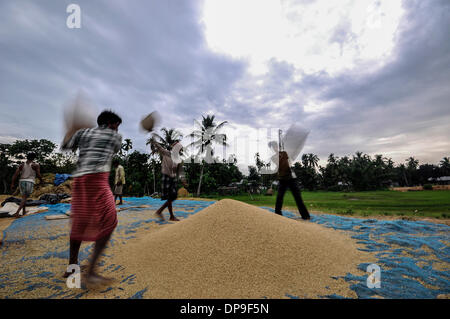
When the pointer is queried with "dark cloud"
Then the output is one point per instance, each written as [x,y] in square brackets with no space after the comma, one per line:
[133,57]
[138,56]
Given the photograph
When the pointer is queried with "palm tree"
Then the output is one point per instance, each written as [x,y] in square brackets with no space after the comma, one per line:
[332,159]
[128,145]
[259,163]
[310,160]
[402,170]
[390,163]
[313,160]
[412,163]
[444,165]
[166,139]
[206,134]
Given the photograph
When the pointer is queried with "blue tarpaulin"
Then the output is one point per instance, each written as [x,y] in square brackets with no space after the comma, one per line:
[61,178]
[413,256]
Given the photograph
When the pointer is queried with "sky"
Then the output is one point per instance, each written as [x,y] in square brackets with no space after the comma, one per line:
[360,75]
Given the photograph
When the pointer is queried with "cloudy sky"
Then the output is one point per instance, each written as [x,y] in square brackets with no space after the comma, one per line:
[361,75]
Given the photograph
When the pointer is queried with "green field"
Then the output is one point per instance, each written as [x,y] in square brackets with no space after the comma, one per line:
[388,203]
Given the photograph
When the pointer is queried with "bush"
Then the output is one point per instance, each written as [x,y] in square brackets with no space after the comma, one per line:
[428,187]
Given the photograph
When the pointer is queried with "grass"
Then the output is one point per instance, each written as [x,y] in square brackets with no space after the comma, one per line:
[434,204]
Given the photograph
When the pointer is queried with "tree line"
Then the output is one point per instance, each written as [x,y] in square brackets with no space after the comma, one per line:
[359,172]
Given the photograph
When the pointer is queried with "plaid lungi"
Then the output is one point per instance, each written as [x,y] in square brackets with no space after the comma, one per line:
[169,189]
[26,188]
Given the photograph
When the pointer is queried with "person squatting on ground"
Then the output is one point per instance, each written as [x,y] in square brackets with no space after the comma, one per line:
[286,181]
[171,172]
[28,172]
[93,210]
[119,180]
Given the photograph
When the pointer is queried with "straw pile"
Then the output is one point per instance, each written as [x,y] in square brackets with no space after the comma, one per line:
[64,188]
[182,192]
[48,178]
[47,187]
[235,250]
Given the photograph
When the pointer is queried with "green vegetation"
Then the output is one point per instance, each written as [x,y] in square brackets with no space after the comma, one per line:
[347,185]
[387,203]
[207,134]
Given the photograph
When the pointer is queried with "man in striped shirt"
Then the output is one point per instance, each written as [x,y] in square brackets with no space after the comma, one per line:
[93,210]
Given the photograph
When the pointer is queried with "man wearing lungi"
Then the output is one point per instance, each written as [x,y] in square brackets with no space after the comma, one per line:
[28,172]
[93,210]
[119,180]
[170,173]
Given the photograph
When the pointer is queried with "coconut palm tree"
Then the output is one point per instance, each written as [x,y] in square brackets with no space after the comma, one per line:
[166,139]
[412,163]
[310,160]
[204,137]
[402,170]
[128,145]
[313,160]
[444,165]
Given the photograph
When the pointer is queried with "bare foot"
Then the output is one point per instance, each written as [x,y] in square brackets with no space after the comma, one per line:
[174,219]
[159,215]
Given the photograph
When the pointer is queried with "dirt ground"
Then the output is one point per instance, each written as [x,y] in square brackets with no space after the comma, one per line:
[4,223]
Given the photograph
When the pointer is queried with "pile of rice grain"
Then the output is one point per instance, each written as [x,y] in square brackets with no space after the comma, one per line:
[235,250]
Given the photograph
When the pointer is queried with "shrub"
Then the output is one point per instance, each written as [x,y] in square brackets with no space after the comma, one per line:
[428,187]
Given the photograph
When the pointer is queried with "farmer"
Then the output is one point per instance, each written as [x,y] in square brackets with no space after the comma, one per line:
[119,180]
[28,172]
[94,215]
[170,174]
[286,181]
